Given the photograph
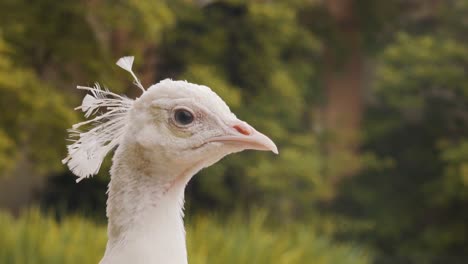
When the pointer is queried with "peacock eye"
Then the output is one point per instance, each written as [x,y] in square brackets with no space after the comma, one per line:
[183,117]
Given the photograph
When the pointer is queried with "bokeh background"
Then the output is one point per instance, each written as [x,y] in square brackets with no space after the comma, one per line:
[367,101]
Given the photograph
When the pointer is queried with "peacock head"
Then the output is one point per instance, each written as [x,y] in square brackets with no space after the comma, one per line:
[190,123]
[174,122]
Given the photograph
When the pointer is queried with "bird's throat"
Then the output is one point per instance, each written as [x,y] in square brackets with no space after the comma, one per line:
[145,215]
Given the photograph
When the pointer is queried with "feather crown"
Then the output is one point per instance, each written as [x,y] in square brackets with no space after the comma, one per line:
[94,138]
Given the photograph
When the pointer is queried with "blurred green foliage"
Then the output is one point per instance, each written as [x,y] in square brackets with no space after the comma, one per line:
[262,66]
[38,238]
[33,116]
[414,197]
[265,58]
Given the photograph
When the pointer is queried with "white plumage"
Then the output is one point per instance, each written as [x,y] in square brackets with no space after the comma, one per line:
[164,137]
[90,147]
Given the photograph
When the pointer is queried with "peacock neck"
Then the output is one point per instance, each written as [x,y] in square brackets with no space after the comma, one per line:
[144,209]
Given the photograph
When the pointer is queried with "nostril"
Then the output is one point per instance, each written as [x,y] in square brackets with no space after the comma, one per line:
[242,129]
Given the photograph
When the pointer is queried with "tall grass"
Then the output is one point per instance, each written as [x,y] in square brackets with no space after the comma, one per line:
[37,238]
[34,238]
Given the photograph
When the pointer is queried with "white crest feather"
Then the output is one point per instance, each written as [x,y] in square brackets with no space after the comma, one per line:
[126,63]
[100,134]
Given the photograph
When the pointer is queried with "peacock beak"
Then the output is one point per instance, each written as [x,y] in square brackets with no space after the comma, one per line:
[244,135]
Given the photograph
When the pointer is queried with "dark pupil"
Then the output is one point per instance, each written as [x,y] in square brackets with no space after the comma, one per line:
[183,117]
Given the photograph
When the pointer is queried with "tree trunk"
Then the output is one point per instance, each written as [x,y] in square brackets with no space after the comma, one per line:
[343,79]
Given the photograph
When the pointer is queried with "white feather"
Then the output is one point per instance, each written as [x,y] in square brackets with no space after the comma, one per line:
[126,63]
[94,138]
[101,134]
[88,102]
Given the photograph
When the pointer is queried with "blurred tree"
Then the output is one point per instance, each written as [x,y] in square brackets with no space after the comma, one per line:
[351,31]
[34,116]
[46,45]
[393,72]
[408,201]
[32,130]
[414,194]
[343,83]
[258,58]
